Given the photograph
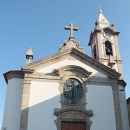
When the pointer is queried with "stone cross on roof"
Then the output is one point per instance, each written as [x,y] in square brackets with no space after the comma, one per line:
[72,29]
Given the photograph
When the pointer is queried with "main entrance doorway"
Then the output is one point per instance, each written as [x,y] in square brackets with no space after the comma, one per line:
[66,125]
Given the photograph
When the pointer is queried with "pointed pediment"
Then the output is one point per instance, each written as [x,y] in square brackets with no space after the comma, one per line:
[70,58]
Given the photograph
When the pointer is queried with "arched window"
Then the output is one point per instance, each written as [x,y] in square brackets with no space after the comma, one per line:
[108,48]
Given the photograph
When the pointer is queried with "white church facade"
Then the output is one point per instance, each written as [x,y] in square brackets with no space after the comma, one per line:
[70,90]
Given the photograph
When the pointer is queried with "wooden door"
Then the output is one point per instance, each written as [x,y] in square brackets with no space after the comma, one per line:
[66,125]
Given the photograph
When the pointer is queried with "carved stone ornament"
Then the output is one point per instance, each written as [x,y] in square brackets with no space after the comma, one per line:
[70,44]
[74,80]
[72,69]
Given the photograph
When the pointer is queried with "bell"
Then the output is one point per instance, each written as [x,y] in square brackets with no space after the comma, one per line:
[108,52]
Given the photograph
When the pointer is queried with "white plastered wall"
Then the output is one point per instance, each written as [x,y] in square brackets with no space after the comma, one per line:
[75,62]
[44,97]
[100,100]
[11,120]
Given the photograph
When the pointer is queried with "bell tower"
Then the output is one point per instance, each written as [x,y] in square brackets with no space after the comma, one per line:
[104,44]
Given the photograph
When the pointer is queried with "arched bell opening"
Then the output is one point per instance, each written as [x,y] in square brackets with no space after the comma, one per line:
[108,48]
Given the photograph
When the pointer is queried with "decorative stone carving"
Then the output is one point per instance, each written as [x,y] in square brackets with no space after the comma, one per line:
[70,44]
[68,110]
[76,70]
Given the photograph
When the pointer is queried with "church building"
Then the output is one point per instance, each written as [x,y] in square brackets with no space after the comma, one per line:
[70,90]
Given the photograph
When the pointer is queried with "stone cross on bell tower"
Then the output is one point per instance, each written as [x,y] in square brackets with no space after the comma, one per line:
[72,29]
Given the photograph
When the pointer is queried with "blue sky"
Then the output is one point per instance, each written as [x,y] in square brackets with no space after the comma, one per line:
[39,24]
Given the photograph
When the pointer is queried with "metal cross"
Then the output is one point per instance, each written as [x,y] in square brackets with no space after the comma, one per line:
[72,29]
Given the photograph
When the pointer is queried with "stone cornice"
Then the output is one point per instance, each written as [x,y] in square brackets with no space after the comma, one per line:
[13,74]
[59,111]
[44,60]
[16,74]
[122,83]
[101,81]
[105,81]
[39,76]
[98,30]
[112,31]
[83,57]
[98,64]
